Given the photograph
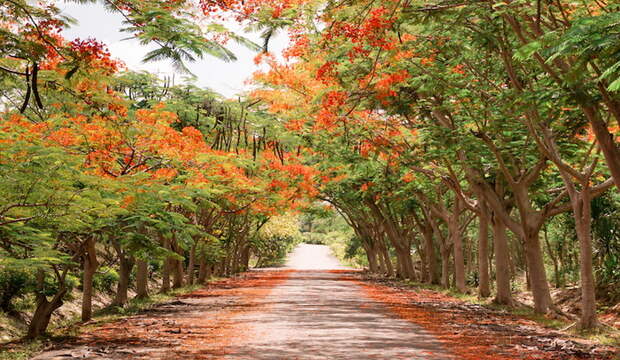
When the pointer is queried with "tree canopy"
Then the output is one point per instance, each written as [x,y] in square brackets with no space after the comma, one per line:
[463,142]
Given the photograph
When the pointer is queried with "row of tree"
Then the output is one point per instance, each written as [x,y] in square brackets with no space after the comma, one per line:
[101,167]
[454,127]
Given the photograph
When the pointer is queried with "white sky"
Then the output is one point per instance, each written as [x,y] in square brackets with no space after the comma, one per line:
[227,79]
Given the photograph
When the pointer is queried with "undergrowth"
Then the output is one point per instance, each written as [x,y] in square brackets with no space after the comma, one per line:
[71,327]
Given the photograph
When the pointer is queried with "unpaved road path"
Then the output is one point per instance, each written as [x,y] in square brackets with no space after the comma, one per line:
[308,310]
[316,314]
[314,308]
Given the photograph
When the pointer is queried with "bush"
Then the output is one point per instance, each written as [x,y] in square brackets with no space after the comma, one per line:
[13,283]
[105,279]
[273,251]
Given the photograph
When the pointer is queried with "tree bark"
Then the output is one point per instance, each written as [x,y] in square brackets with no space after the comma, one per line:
[580,201]
[386,259]
[381,260]
[177,270]
[166,267]
[605,140]
[422,275]
[244,260]
[484,289]
[554,259]
[431,256]
[126,265]
[401,245]
[502,262]
[191,265]
[165,275]
[204,271]
[537,273]
[371,255]
[445,267]
[583,223]
[90,267]
[457,248]
[142,276]
[45,308]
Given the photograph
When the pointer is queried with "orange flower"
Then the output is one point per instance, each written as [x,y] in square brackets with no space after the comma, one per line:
[165,173]
[63,137]
[408,177]
[366,186]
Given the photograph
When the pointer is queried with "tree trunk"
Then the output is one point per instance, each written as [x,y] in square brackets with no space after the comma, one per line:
[423,275]
[502,262]
[45,308]
[400,273]
[126,265]
[580,201]
[245,258]
[166,268]
[236,257]
[43,313]
[484,289]
[381,260]
[583,223]
[431,257]
[219,268]
[177,269]
[408,263]
[537,274]
[606,141]
[204,271]
[445,267]
[371,255]
[528,279]
[404,262]
[554,259]
[387,260]
[165,275]
[459,261]
[142,276]
[90,267]
[402,247]
[177,274]
[191,265]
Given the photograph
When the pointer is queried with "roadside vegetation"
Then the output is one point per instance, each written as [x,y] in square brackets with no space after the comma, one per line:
[471,146]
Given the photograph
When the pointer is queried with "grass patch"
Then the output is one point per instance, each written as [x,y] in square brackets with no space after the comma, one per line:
[449,292]
[606,336]
[546,321]
[611,338]
[25,349]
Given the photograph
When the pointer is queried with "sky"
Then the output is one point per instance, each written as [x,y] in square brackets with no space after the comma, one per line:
[225,78]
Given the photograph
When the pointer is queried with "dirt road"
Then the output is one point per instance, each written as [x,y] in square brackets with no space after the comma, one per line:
[316,314]
[315,308]
[305,311]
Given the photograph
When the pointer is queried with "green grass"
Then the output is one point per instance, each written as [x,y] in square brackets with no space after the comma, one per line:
[528,313]
[450,292]
[603,336]
[22,351]
[521,311]
[25,349]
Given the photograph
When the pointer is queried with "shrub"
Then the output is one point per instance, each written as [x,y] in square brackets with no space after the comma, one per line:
[105,279]
[13,283]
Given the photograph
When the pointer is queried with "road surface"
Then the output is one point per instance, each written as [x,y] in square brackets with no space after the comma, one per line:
[308,310]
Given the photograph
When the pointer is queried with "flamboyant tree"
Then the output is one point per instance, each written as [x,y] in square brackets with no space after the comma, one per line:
[98,161]
[480,114]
